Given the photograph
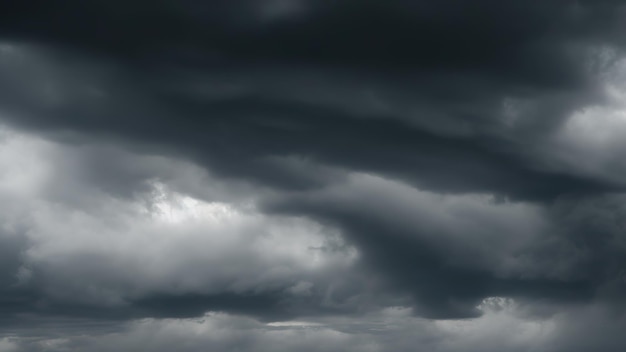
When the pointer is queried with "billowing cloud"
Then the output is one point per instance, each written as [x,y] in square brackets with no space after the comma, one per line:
[78,241]
[312,175]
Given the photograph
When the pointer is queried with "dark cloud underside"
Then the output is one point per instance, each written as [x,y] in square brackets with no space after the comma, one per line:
[433,154]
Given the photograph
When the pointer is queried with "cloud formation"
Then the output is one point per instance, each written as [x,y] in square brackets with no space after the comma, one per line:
[276,173]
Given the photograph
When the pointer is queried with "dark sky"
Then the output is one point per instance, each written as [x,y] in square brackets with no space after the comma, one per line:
[313,175]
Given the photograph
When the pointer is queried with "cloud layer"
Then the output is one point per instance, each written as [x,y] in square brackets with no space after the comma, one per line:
[312,175]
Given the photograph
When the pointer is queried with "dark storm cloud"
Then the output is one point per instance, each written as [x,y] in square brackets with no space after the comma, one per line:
[449,96]
[427,247]
[452,61]
[242,136]
[478,35]
[13,297]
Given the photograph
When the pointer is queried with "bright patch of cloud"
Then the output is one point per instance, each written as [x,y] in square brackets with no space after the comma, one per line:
[103,248]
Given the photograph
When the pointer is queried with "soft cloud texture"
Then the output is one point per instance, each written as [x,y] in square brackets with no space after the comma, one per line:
[312,175]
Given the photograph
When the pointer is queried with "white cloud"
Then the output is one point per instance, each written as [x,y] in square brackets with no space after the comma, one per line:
[591,141]
[8,345]
[89,244]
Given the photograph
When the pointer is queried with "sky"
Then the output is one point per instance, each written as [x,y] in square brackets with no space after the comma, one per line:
[313,175]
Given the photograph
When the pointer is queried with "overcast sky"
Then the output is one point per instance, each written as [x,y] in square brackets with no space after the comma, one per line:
[313,175]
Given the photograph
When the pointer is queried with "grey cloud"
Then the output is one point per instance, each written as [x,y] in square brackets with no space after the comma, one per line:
[451,252]
[215,331]
[500,328]
[272,114]
[595,327]
[77,243]
[455,150]
[13,298]
[447,252]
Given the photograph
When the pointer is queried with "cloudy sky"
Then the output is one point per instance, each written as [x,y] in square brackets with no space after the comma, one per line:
[313,175]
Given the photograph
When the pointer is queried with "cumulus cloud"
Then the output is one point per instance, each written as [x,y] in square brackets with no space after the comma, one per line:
[79,240]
